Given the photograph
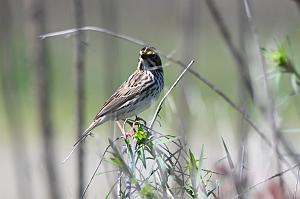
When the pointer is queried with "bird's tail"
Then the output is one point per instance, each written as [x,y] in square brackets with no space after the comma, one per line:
[86,133]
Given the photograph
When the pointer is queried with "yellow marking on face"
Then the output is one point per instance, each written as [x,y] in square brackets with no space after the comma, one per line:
[150,53]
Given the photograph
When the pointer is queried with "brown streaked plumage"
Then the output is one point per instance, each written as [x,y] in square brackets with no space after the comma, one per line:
[134,95]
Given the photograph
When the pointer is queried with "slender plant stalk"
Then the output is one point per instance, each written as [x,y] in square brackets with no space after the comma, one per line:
[236,53]
[80,92]
[43,81]
[166,95]
[11,102]
[279,174]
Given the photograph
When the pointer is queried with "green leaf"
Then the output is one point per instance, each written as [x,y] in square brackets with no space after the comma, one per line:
[280,57]
[201,158]
[141,136]
[117,162]
[193,170]
[190,191]
[147,192]
[294,83]
[141,152]
[277,78]
[264,51]
[200,162]
[192,160]
[165,141]
[129,147]
[229,159]
[163,170]
[117,159]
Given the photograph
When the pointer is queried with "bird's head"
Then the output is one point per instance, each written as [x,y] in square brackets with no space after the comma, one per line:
[149,59]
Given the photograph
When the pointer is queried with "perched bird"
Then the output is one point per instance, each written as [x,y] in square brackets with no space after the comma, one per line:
[134,95]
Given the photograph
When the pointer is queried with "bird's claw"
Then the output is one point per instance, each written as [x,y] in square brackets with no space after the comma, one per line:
[138,119]
[130,133]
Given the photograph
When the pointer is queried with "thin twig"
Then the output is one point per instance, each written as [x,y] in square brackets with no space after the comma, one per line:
[241,176]
[80,91]
[229,159]
[95,171]
[72,31]
[42,69]
[112,188]
[238,57]
[169,91]
[268,179]
[241,170]
[296,187]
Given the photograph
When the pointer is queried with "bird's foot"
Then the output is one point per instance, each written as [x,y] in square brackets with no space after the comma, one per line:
[130,133]
[139,119]
[134,125]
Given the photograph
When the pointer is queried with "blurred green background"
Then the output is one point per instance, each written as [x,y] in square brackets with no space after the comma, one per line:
[188,32]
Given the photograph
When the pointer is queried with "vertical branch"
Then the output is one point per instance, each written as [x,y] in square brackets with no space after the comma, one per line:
[267,104]
[110,57]
[80,94]
[42,66]
[12,103]
[109,19]
[238,57]
[245,86]
[298,4]
[187,22]
[245,98]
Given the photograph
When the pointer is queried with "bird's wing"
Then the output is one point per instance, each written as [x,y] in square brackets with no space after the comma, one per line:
[127,91]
